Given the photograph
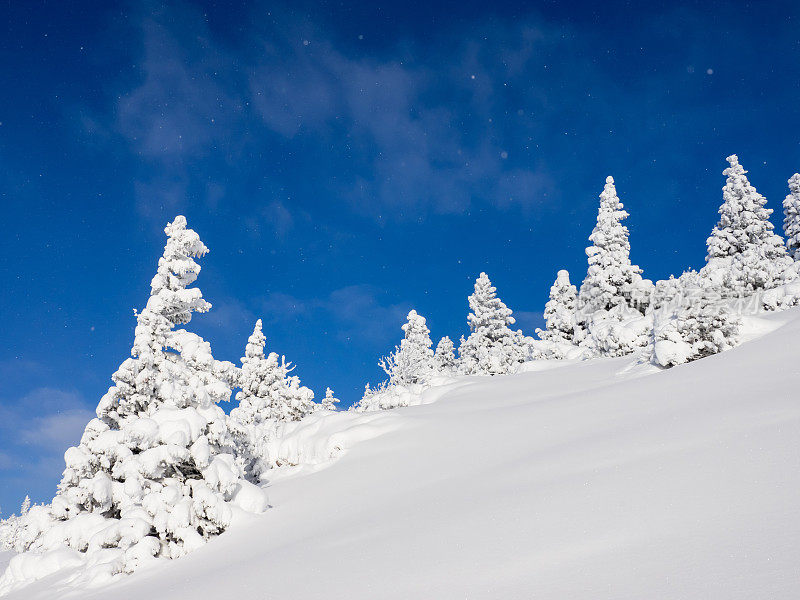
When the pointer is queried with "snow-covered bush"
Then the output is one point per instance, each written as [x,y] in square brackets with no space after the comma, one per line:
[670,294]
[19,532]
[611,280]
[269,396]
[154,473]
[616,332]
[385,396]
[412,361]
[559,312]
[492,347]
[791,217]
[704,326]
[744,254]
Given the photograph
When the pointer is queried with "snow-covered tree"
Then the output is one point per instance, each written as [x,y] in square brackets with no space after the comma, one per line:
[12,528]
[153,473]
[330,401]
[268,391]
[269,395]
[673,292]
[611,280]
[559,312]
[492,346]
[744,253]
[412,361]
[703,326]
[444,358]
[791,217]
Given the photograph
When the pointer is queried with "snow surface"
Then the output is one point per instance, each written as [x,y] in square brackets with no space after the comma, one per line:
[587,480]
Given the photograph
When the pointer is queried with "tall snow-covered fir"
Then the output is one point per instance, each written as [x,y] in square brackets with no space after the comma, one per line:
[492,346]
[744,253]
[155,470]
[610,278]
[791,217]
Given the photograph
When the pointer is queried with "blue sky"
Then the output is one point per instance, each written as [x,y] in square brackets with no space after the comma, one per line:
[346,162]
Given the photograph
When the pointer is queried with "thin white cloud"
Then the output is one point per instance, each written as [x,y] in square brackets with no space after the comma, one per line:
[57,431]
[356,311]
[417,138]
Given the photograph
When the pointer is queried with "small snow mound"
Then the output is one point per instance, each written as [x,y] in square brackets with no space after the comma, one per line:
[27,567]
[250,497]
[323,436]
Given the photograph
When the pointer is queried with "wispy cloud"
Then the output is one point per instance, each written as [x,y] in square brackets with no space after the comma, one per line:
[38,427]
[356,312]
[402,136]
[57,431]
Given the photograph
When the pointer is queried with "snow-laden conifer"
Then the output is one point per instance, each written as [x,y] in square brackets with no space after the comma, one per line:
[744,254]
[412,361]
[269,396]
[611,280]
[559,312]
[154,472]
[791,217]
[444,358]
[330,401]
[492,346]
[268,391]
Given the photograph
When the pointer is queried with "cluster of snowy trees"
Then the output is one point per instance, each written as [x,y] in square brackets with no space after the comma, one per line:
[159,469]
[616,311]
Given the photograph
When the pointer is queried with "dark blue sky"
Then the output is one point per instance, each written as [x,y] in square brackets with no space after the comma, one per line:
[346,162]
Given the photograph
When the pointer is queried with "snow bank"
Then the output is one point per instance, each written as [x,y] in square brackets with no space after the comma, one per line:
[323,436]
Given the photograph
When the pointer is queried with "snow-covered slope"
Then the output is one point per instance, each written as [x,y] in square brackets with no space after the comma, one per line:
[580,480]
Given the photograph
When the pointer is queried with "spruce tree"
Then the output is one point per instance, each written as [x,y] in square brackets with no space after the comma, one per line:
[330,401]
[444,357]
[412,361]
[611,280]
[492,347]
[791,220]
[559,312]
[744,254]
[269,396]
[153,473]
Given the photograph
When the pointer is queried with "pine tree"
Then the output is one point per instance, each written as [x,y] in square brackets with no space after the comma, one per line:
[330,401]
[412,361]
[444,358]
[611,280]
[492,347]
[791,220]
[744,254]
[154,471]
[559,312]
